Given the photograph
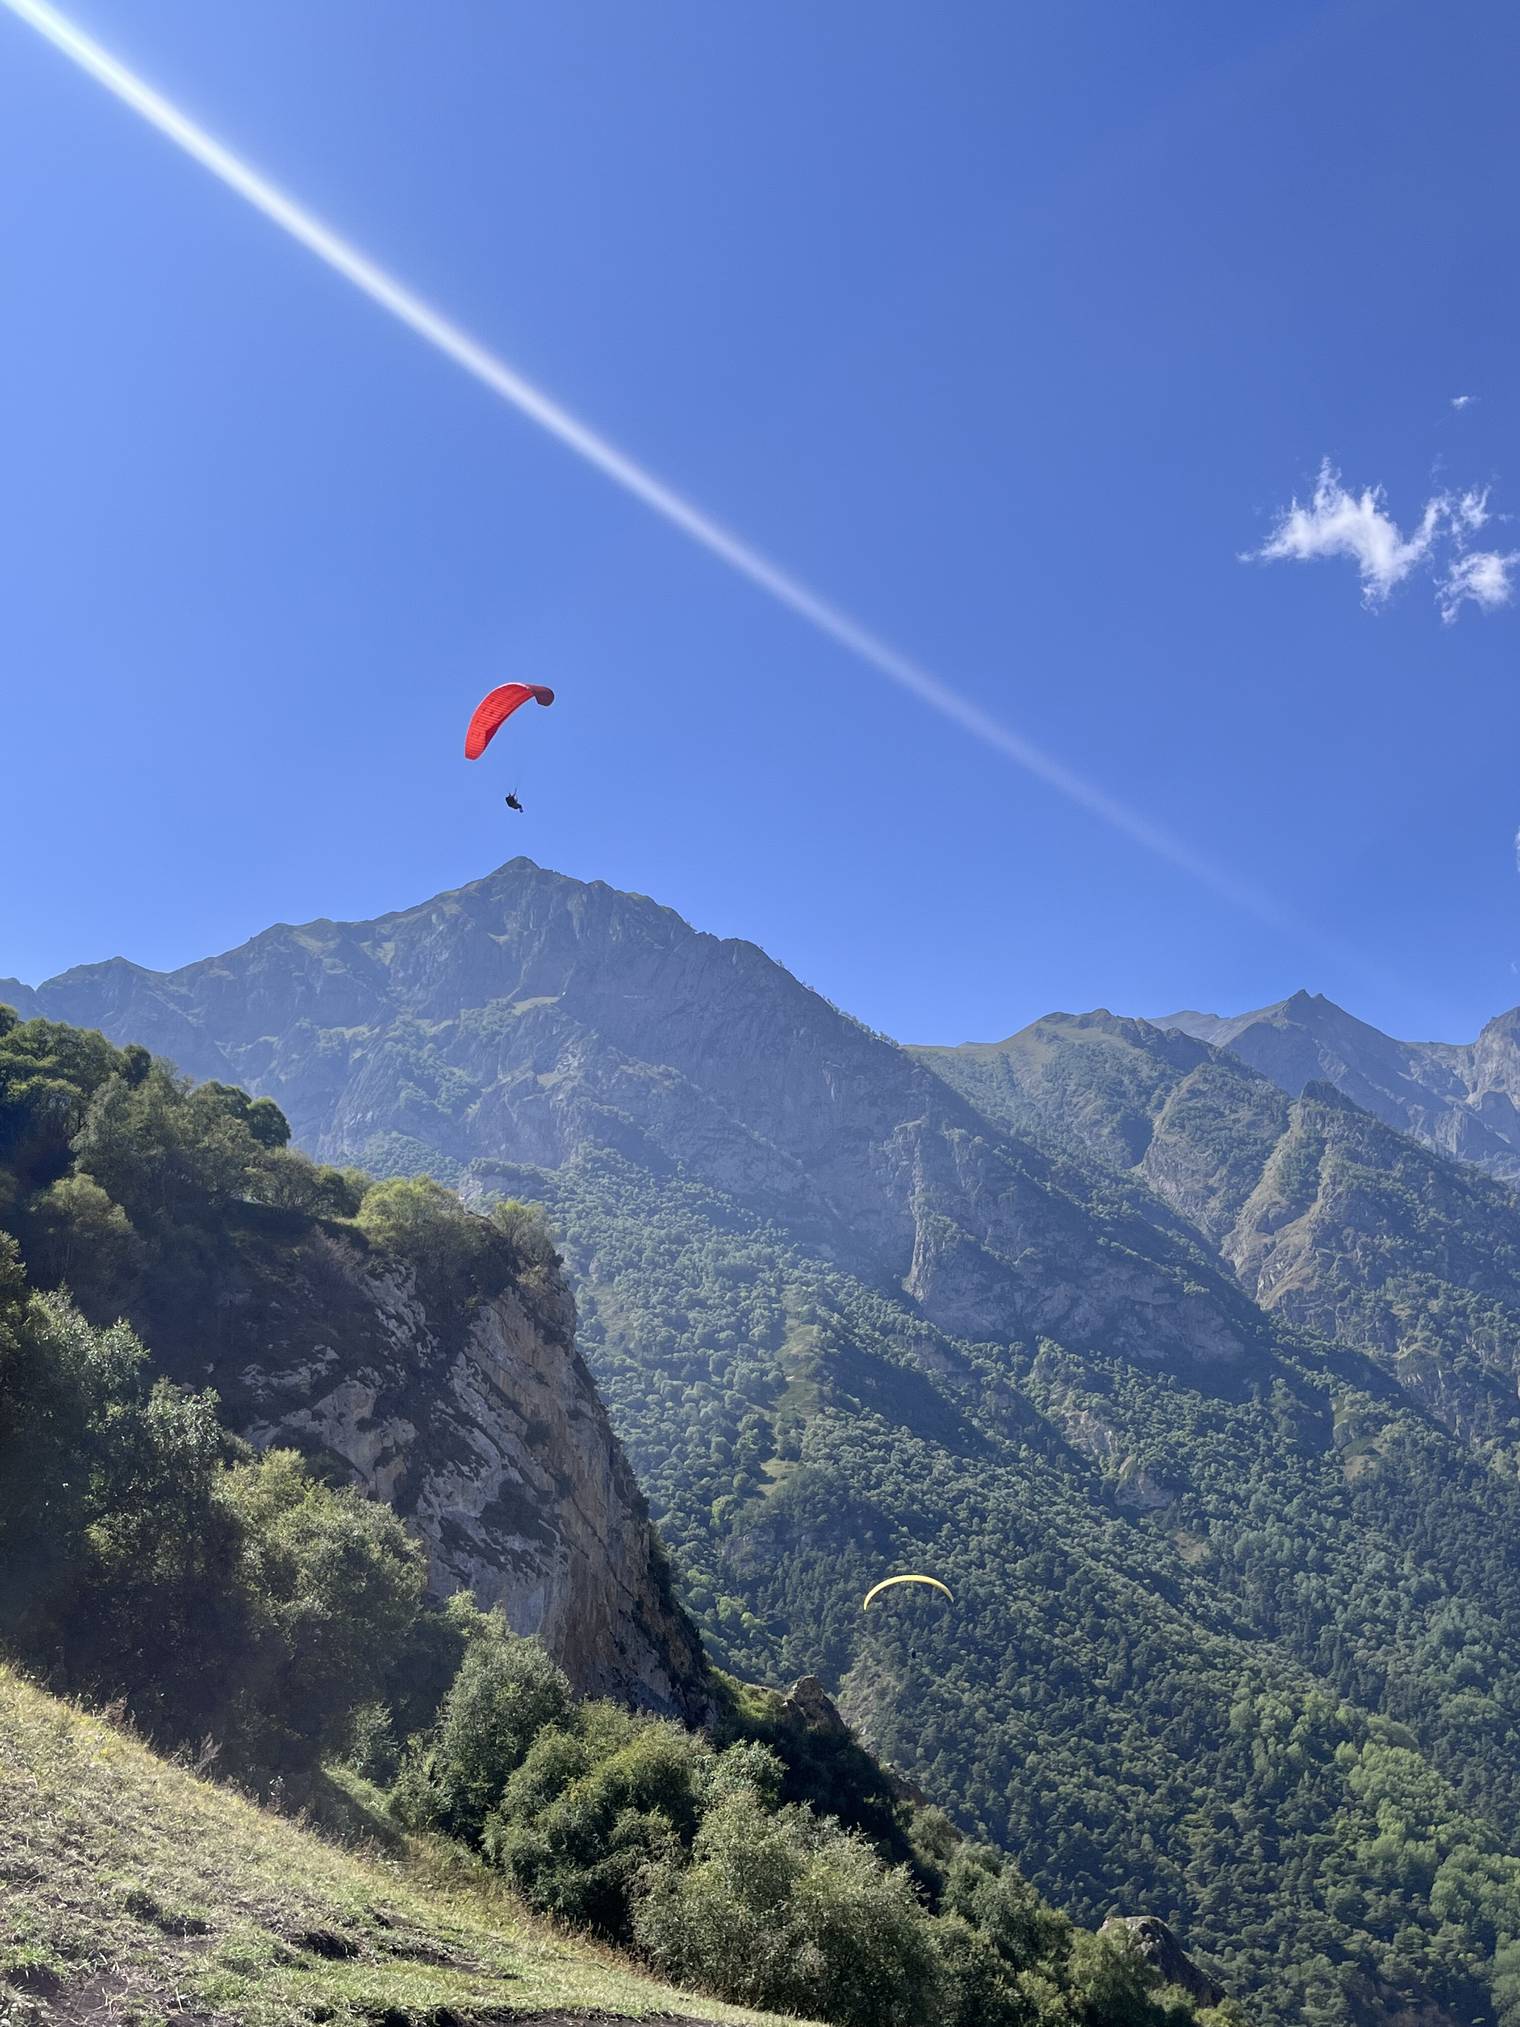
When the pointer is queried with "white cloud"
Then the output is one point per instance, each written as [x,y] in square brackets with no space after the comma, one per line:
[1463,400]
[1358,526]
[1484,576]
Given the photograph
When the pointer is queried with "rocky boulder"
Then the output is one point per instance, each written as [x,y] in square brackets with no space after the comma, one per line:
[1150,1938]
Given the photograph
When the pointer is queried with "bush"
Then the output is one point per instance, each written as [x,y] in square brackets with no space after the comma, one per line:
[506,1692]
[578,1828]
[780,1908]
[373,1750]
[994,1897]
[162,1151]
[81,1239]
[1118,1988]
[336,1583]
[527,1236]
[425,1228]
[985,1992]
[48,1073]
[242,1600]
[108,1521]
[288,1181]
[266,1123]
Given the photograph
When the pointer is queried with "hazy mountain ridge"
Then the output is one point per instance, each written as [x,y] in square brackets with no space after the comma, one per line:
[529,1013]
[1329,1217]
[1460,1097]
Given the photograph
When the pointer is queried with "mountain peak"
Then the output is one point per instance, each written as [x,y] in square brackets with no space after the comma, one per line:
[1462,1098]
[22,997]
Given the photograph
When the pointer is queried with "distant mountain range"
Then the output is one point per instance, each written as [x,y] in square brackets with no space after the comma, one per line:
[531,1018]
[1326,1216]
[1191,1368]
[1461,1097]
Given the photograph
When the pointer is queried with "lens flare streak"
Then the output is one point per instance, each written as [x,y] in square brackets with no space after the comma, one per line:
[503,380]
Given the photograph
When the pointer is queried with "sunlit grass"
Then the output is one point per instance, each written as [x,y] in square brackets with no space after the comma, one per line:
[129,1888]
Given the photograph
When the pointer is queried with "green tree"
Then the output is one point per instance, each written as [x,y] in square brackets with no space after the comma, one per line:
[337,1584]
[779,1908]
[506,1692]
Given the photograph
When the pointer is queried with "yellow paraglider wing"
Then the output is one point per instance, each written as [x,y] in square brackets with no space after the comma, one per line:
[887,1583]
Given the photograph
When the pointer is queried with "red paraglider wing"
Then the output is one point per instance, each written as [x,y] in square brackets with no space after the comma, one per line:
[493,711]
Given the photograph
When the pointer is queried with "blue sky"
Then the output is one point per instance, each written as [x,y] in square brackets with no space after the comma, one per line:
[1007,329]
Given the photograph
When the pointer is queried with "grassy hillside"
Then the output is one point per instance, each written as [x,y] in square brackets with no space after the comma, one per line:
[131,1891]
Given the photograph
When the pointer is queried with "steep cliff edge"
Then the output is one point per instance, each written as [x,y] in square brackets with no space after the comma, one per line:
[487,1433]
[423,1353]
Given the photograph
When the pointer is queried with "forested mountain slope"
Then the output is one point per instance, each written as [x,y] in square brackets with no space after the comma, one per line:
[1236,1636]
[1460,1097]
[1202,1647]
[1328,1216]
[235,1606]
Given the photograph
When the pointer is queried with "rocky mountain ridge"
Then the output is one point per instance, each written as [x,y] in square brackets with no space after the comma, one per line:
[1327,1216]
[1462,1098]
[530,1016]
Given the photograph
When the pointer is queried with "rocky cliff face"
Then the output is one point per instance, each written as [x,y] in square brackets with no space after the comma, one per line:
[487,1434]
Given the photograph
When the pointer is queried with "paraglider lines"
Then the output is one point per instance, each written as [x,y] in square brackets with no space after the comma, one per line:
[598,451]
